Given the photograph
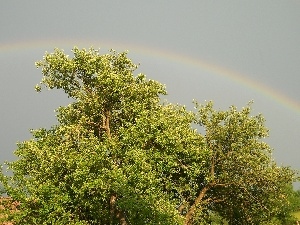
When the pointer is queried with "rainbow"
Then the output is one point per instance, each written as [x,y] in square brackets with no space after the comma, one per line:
[242,79]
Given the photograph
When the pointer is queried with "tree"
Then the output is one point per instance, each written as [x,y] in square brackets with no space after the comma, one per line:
[241,182]
[120,156]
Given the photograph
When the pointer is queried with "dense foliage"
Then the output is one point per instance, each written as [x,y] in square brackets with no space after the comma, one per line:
[120,156]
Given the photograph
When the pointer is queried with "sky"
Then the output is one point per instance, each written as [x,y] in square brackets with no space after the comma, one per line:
[230,52]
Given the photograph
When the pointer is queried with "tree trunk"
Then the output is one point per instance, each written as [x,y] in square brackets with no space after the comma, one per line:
[112,207]
[114,212]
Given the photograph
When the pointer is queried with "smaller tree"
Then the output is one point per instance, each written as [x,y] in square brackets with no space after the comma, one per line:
[241,182]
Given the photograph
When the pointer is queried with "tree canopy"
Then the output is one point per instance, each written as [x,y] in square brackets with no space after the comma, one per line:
[121,155]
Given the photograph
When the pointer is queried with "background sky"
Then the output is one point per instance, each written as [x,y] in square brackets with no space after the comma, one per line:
[230,52]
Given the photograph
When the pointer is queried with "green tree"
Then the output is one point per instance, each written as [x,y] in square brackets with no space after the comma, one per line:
[113,146]
[120,156]
[241,182]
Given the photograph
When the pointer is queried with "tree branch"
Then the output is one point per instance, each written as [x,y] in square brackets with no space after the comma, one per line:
[191,211]
[106,122]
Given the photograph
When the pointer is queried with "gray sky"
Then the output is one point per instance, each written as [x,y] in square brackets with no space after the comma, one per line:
[230,52]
